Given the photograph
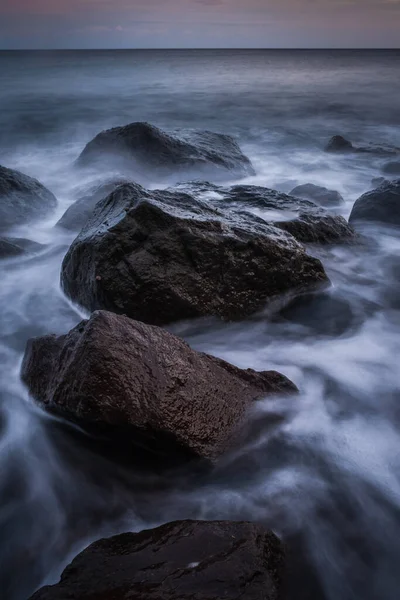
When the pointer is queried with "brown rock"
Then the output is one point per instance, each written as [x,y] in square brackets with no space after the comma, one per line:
[143,384]
[184,560]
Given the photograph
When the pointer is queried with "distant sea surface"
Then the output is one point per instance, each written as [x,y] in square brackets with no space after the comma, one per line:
[327,475]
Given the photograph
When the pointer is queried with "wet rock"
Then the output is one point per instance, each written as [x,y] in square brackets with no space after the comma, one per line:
[140,383]
[22,199]
[79,212]
[10,247]
[391,168]
[163,256]
[303,219]
[340,144]
[320,229]
[141,146]
[318,194]
[183,560]
[381,205]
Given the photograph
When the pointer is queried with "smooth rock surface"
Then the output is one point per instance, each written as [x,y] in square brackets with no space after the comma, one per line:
[22,199]
[318,194]
[141,383]
[183,560]
[381,205]
[162,256]
[142,146]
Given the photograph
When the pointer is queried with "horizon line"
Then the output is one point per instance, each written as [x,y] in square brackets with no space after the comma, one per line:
[286,49]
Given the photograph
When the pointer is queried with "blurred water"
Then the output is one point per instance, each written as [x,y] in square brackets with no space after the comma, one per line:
[322,469]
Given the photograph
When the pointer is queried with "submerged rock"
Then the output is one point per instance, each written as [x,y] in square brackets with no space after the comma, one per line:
[377,181]
[381,205]
[339,144]
[22,199]
[318,194]
[76,216]
[10,247]
[162,256]
[145,147]
[141,384]
[183,560]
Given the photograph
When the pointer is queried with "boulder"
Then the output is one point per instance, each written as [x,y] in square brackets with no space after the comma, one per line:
[164,256]
[318,194]
[381,205]
[141,384]
[391,168]
[143,147]
[22,199]
[183,560]
[10,247]
[339,144]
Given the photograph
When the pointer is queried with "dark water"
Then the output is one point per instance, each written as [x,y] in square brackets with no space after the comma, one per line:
[324,472]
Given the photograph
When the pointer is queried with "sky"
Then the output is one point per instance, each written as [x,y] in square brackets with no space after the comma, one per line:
[51,24]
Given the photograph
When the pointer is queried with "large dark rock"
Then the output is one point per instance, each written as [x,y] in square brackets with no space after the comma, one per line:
[391,168]
[76,216]
[184,560]
[164,256]
[10,247]
[140,383]
[318,194]
[339,144]
[381,205]
[141,146]
[22,199]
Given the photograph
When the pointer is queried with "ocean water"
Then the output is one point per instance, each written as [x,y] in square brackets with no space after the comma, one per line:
[321,469]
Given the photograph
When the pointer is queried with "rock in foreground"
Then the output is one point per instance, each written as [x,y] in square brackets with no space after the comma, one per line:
[381,205]
[184,560]
[163,256]
[22,199]
[143,147]
[141,383]
[318,194]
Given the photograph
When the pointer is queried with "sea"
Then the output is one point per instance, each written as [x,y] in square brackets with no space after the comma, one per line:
[321,469]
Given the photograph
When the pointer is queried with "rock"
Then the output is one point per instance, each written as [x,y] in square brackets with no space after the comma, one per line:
[79,212]
[377,181]
[22,199]
[391,168]
[340,144]
[320,229]
[10,247]
[183,560]
[141,146]
[142,384]
[161,256]
[381,205]
[318,194]
[303,219]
